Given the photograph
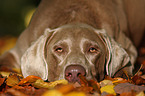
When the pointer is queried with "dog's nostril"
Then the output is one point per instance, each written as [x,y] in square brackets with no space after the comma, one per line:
[68,75]
[72,72]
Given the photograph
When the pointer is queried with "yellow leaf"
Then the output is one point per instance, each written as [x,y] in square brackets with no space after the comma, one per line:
[41,84]
[53,84]
[140,94]
[75,94]
[108,89]
[105,83]
[52,93]
[5,74]
[18,70]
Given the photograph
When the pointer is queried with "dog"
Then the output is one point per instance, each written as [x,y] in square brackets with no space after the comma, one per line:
[66,38]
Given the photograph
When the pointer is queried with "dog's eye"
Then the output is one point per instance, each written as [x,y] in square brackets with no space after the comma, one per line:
[92,50]
[60,50]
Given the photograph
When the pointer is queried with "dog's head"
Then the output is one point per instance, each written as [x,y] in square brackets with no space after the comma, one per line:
[71,50]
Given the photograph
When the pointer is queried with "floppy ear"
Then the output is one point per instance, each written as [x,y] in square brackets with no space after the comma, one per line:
[117,57]
[33,60]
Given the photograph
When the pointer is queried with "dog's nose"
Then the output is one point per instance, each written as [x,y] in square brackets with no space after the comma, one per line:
[72,72]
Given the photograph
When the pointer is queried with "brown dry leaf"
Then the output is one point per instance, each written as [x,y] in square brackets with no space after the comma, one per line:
[95,85]
[13,80]
[127,87]
[138,80]
[14,92]
[132,93]
[83,80]
[2,81]
[29,79]
[85,89]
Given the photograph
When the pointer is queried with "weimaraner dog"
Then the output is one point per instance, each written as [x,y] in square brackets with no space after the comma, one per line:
[66,38]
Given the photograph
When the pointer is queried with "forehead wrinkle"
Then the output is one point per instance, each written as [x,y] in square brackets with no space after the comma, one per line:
[67,41]
[90,41]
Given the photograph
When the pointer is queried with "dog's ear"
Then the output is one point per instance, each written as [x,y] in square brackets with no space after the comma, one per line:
[33,60]
[117,57]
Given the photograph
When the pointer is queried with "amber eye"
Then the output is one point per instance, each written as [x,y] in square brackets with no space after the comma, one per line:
[92,50]
[59,49]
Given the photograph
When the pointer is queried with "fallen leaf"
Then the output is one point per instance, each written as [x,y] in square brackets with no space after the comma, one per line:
[132,93]
[108,89]
[75,94]
[127,87]
[95,85]
[29,79]
[14,92]
[2,81]
[13,80]
[105,83]
[5,74]
[83,80]
[52,93]
[140,94]
[85,89]
[120,80]
[138,80]
[41,84]
[66,88]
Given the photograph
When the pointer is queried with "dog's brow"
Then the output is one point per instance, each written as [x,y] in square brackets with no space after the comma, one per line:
[90,41]
[67,41]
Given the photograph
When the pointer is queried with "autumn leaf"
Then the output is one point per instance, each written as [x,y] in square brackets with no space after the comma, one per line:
[131,93]
[83,80]
[52,93]
[138,80]
[13,80]
[105,83]
[29,79]
[108,89]
[14,92]
[2,81]
[127,87]
[41,84]
[85,89]
[75,94]
[95,85]
[66,88]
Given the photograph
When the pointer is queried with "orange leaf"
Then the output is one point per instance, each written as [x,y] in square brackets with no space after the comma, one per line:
[132,93]
[66,88]
[83,80]
[85,89]
[29,79]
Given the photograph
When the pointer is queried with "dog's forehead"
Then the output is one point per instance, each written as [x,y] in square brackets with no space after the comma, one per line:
[76,33]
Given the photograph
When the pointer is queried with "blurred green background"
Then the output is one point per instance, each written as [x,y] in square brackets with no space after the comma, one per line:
[15,15]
